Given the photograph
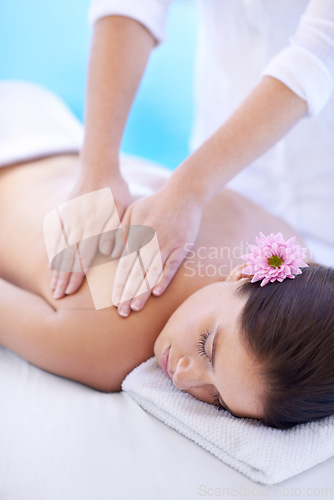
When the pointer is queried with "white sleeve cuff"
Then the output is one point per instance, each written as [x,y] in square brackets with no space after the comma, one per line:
[304,74]
[150,13]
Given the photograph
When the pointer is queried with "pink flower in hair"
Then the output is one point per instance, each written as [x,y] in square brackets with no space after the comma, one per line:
[274,259]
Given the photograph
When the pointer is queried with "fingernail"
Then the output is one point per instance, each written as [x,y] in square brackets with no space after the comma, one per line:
[113,255]
[57,294]
[136,305]
[69,290]
[105,248]
[116,253]
[123,311]
[157,291]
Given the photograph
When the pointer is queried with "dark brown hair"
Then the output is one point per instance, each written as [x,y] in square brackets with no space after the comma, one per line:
[289,328]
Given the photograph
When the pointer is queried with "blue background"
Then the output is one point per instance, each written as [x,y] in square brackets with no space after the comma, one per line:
[48,43]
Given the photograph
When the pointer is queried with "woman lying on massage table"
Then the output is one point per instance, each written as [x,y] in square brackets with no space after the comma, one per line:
[262,352]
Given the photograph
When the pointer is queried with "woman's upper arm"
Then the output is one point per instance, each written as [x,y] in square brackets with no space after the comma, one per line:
[22,313]
[64,342]
[96,348]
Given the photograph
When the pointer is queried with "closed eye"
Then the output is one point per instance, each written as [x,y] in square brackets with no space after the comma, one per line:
[216,402]
[202,352]
[201,344]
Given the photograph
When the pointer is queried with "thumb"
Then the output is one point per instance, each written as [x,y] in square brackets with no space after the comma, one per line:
[107,242]
[107,238]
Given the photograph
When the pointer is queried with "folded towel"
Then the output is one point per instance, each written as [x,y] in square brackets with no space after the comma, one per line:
[263,454]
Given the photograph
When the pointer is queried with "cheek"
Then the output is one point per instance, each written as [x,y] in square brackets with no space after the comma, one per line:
[204,393]
[156,347]
[170,334]
[181,328]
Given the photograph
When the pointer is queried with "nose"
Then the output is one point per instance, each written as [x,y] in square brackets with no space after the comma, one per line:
[188,374]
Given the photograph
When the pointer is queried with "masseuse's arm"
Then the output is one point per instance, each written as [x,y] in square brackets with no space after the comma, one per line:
[302,70]
[174,212]
[119,53]
[268,113]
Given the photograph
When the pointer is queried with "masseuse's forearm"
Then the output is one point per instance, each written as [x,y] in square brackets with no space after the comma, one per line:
[262,119]
[119,53]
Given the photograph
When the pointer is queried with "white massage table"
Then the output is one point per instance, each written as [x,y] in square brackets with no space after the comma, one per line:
[60,440]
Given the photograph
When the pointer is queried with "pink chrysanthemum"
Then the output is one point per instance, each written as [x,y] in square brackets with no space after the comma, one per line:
[274,259]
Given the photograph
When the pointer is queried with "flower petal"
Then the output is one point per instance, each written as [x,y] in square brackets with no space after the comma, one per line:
[258,265]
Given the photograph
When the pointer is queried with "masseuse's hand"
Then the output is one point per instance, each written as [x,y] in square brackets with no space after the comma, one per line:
[176,219]
[84,217]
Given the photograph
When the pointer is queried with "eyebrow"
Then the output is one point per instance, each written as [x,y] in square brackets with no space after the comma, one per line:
[214,343]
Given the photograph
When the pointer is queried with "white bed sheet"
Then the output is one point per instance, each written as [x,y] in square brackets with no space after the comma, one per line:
[62,440]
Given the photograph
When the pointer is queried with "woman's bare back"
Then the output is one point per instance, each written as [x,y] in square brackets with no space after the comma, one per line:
[98,347]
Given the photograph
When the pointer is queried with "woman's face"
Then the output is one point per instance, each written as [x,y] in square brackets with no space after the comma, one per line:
[200,350]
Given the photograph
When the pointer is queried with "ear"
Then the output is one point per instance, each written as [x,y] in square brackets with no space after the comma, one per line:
[236,274]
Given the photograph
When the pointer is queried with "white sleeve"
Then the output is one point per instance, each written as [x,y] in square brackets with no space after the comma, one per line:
[307,65]
[151,13]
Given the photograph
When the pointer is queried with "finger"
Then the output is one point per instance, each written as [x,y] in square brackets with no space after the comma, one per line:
[64,264]
[107,238]
[54,261]
[154,272]
[131,269]
[87,249]
[74,283]
[124,309]
[153,276]
[54,278]
[53,235]
[146,269]
[134,280]
[124,267]
[55,244]
[119,246]
[107,242]
[138,302]
[171,267]
[61,285]
[237,273]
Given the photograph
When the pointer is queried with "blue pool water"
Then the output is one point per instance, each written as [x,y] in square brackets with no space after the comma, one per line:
[48,43]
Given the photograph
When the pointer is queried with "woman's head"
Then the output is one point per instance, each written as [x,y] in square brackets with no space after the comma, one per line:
[200,348]
[267,351]
[289,328]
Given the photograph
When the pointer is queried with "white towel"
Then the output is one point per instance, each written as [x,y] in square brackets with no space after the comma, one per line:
[34,123]
[263,454]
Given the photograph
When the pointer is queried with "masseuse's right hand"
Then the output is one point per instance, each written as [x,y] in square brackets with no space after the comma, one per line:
[90,215]
[175,217]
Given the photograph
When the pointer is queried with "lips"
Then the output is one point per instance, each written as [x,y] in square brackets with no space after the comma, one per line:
[164,362]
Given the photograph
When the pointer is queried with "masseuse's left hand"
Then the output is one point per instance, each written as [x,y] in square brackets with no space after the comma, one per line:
[83,217]
[176,219]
